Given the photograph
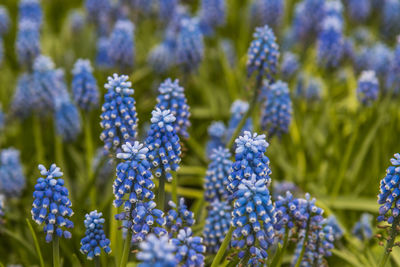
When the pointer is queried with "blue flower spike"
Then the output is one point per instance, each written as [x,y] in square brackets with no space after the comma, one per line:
[119,118]
[95,238]
[189,249]
[178,217]
[134,178]
[51,205]
[156,252]
[67,119]
[368,87]
[4,20]
[217,136]
[171,96]
[27,44]
[84,85]
[363,228]
[163,143]
[12,178]
[263,54]
[121,50]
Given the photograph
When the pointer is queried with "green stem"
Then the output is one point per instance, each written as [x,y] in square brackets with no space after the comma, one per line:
[390,242]
[174,191]
[89,156]
[277,261]
[222,248]
[38,140]
[97,261]
[303,248]
[246,115]
[127,249]
[161,192]
[56,251]
[35,240]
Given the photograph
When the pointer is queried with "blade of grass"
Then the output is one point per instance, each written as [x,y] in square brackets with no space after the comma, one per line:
[35,240]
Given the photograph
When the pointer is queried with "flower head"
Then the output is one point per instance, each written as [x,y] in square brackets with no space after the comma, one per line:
[31,10]
[178,217]
[290,65]
[156,252]
[103,60]
[368,87]
[217,224]
[171,96]
[288,212]
[307,18]
[189,44]
[268,12]
[217,175]
[263,53]
[27,43]
[12,178]
[212,15]
[95,238]
[167,9]
[76,21]
[189,250]
[84,85]
[308,88]
[134,178]
[363,228]
[330,42]
[4,20]
[51,204]
[359,10]
[216,133]
[161,57]
[118,120]
[337,231]
[22,102]
[67,118]
[121,44]
[277,112]
[238,110]
[163,143]
[390,18]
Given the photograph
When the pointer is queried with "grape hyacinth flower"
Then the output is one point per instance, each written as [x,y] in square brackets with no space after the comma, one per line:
[368,87]
[27,42]
[330,42]
[178,217]
[263,54]
[359,10]
[4,20]
[289,213]
[161,57]
[290,65]
[99,12]
[308,88]
[156,252]
[172,97]
[76,21]
[67,118]
[31,10]
[189,250]
[216,133]
[277,112]
[217,224]
[268,12]
[253,217]
[167,9]
[392,82]
[337,231]
[143,219]
[95,238]
[51,204]
[134,178]
[280,188]
[22,102]
[118,120]
[334,8]
[217,175]
[84,85]
[250,161]
[308,15]
[189,45]
[12,178]
[379,59]
[212,15]
[238,110]
[391,18]
[363,228]
[163,143]
[103,60]
[121,46]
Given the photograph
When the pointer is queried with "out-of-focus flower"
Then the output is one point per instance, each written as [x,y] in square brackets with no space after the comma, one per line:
[189,250]
[212,15]
[67,118]
[121,44]
[363,228]
[238,110]
[368,87]
[308,15]
[31,10]
[103,60]
[156,252]
[22,102]
[337,231]
[290,65]
[268,12]
[167,9]
[76,21]
[359,10]
[12,178]
[330,43]
[390,18]
[4,20]
[51,204]
[161,57]
[27,43]
[84,85]
[216,133]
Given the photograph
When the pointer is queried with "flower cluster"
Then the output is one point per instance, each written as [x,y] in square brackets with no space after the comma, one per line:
[67,118]
[359,10]
[84,85]
[212,14]
[390,17]
[171,96]
[189,44]
[337,231]
[308,88]
[217,224]
[277,112]
[76,21]
[163,143]
[95,238]
[103,60]
[156,252]
[268,12]
[143,219]
[330,42]
[363,228]
[178,217]
[12,179]
[119,120]
[250,161]
[263,53]
[51,204]
[289,212]
[308,15]
[134,178]
[280,188]
[166,9]
[121,44]
[161,57]
[290,65]
[217,175]
[216,133]
[22,102]
[189,250]
[31,9]
[368,87]
[27,43]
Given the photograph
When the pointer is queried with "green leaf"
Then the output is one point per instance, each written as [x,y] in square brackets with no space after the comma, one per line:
[35,240]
